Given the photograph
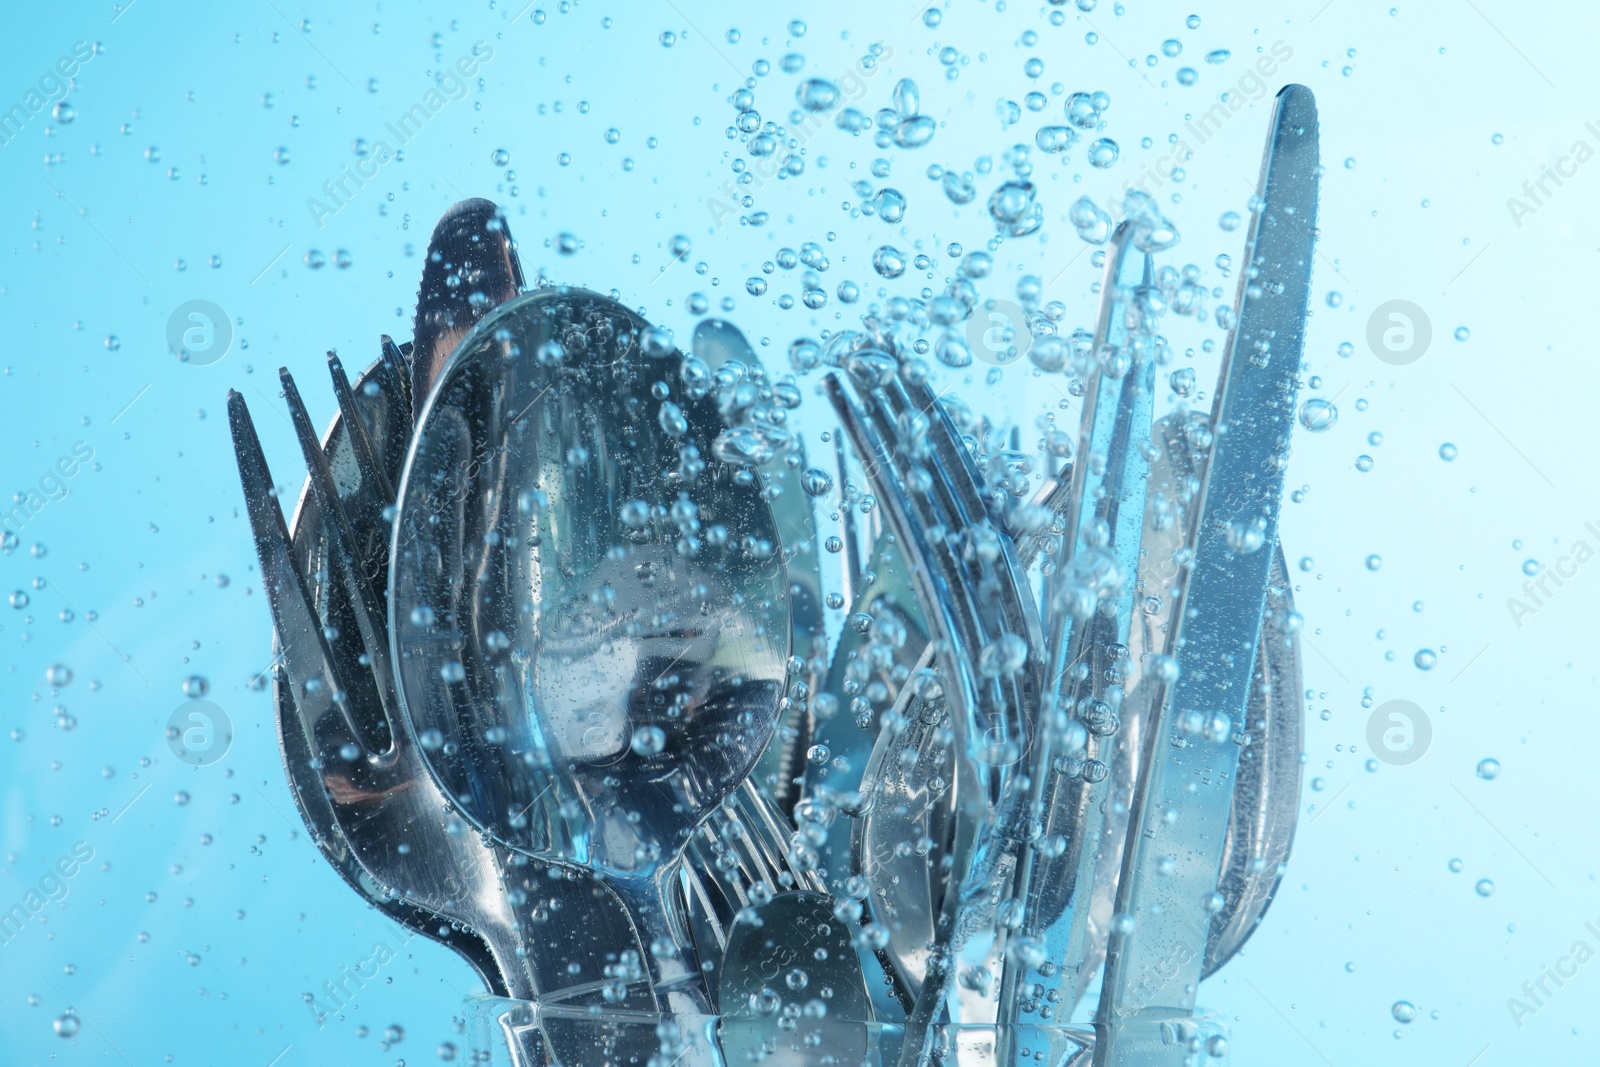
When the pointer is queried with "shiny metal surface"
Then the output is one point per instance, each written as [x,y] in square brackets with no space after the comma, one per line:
[970,584]
[794,952]
[718,344]
[904,830]
[381,799]
[735,858]
[471,268]
[580,649]
[1261,823]
[867,678]
[588,606]
[1219,610]
[304,784]
[494,906]
[1266,790]
[1090,594]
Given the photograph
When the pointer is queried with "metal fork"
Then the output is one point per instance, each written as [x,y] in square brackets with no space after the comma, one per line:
[369,409]
[360,760]
[972,598]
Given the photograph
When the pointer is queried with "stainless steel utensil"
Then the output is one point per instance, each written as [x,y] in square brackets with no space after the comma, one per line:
[341,543]
[903,832]
[471,268]
[872,666]
[1266,791]
[588,605]
[719,344]
[1261,823]
[1181,810]
[792,960]
[735,860]
[1090,592]
[371,409]
[365,447]
[970,586]
[391,818]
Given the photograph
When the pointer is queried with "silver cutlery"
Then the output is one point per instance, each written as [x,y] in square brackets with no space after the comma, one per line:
[554,683]
[719,344]
[970,586]
[368,782]
[589,610]
[470,269]
[1180,816]
[409,845]
[1090,594]
[306,785]
[791,991]
[1267,786]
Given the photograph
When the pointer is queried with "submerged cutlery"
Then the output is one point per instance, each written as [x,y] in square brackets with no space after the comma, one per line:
[724,351]
[969,584]
[588,606]
[1179,821]
[364,450]
[1090,594]
[375,787]
[471,268]
[1267,787]
[793,959]
[305,784]
[553,669]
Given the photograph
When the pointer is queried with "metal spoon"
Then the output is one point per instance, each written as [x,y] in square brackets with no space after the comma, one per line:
[368,766]
[588,607]
[717,342]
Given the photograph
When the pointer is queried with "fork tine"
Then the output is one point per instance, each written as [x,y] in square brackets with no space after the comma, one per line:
[955,461]
[371,620]
[931,516]
[957,470]
[932,582]
[706,904]
[1053,498]
[755,807]
[853,587]
[1004,597]
[395,369]
[306,655]
[999,596]
[376,492]
[987,600]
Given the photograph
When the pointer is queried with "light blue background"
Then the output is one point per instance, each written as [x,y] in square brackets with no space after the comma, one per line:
[241,913]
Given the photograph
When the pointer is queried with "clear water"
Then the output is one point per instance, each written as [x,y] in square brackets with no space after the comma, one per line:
[1438,523]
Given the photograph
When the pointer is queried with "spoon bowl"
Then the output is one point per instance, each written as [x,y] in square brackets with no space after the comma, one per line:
[588,605]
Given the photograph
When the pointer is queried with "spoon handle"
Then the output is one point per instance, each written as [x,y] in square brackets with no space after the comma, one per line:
[669,954]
